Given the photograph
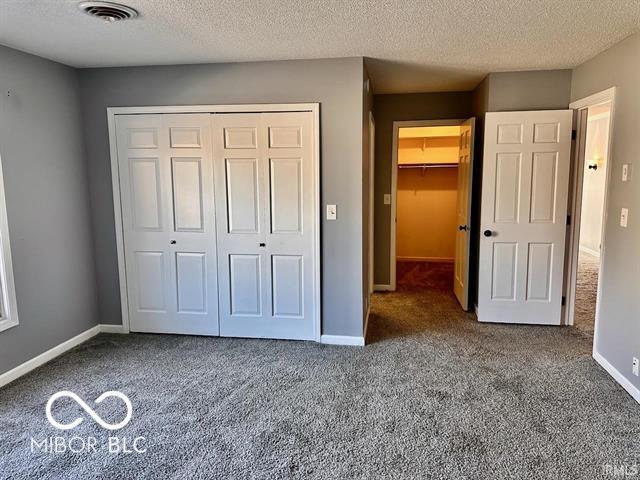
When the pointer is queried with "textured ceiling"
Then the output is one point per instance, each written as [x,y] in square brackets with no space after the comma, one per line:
[413,45]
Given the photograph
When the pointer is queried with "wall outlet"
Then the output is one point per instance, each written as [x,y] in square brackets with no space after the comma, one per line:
[332,212]
[626,172]
[636,366]
[624,217]
[387,199]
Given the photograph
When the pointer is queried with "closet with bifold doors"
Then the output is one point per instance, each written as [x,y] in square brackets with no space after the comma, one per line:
[219,223]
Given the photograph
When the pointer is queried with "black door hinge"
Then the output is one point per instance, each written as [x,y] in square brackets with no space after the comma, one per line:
[574,134]
[568,219]
[564,301]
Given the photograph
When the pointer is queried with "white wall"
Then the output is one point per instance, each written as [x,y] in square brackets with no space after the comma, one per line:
[597,144]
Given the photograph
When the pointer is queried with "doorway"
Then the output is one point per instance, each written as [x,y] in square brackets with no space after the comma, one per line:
[431,195]
[591,178]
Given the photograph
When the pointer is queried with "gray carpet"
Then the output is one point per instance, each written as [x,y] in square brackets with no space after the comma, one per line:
[433,395]
[586,292]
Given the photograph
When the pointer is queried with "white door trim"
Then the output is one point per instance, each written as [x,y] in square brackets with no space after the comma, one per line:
[115,182]
[575,196]
[394,183]
[372,198]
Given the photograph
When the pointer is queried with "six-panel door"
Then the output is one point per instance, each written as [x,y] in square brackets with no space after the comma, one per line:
[523,221]
[265,185]
[166,188]
[463,213]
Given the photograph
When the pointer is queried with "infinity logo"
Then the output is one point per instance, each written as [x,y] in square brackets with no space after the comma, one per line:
[89,410]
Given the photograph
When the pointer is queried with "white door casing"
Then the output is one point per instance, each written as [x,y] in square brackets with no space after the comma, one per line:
[265,179]
[463,213]
[525,184]
[168,216]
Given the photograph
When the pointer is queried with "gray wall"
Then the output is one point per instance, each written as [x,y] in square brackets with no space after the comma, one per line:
[396,107]
[47,204]
[336,84]
[367,107]
[530,90]
[618,330]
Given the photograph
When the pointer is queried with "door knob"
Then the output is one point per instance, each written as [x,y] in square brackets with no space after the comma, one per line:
[487,233]
[172,242]
[262,244]
[463,227]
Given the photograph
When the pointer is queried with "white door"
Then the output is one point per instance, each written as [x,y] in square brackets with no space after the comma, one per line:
[166,188]
[525,182]
[264,173]
[463,213]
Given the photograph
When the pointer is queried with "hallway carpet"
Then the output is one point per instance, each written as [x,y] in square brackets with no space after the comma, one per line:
[586,292]
[434,395]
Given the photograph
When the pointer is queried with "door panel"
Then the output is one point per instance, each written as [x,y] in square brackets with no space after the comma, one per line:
[507,188]
[288,285]
[264,163]
[463,213]
[504,271]
[286,195]
[245,277]
[151,281]
[242,195]
[523,219]
[187,194]
[191,285]
[146,193]
[543,198]
[540,268]
[166,187]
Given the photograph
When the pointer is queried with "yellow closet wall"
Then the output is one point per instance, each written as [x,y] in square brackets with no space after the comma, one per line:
[428,150]
[426,206]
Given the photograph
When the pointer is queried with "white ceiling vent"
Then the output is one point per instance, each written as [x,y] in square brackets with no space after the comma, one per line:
[108,11]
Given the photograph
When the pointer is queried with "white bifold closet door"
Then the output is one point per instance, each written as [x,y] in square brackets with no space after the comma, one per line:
[525,184]
[166,188]
[264,198]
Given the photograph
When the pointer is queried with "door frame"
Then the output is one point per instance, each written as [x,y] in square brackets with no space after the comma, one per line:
[575,199]
[314,108]
[372,197]
[397,125]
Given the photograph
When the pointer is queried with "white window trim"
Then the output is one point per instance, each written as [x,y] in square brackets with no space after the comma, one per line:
[8,303]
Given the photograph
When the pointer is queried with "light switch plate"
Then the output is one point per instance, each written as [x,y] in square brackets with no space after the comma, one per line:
[332,212]
[635,366]
[626,172]
[624,217]
[387,199]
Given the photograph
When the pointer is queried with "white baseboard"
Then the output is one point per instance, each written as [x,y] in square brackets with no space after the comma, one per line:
[366,321]
[617,376]
[382,288]
[426,259]
[50,354]
[108,328]
[56,351]
[342,340]
[589,251]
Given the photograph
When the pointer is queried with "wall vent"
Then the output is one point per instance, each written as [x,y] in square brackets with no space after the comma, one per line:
[108,11]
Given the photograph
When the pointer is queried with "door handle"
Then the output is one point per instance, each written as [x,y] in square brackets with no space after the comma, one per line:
[487,233]
[262,244]
[463,227]
[172,242]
